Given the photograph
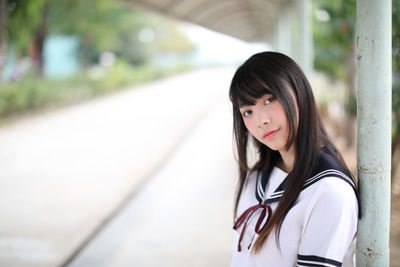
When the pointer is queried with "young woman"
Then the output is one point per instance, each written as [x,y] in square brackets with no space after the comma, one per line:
[298,204]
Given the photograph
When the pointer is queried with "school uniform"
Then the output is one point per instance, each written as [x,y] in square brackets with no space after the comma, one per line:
[319,230]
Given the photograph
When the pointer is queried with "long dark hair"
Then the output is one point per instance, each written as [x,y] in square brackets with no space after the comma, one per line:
[277,74]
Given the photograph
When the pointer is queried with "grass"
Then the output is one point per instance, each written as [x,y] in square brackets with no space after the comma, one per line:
[33,94]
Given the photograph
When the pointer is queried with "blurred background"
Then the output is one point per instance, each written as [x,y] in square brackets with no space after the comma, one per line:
[115,125]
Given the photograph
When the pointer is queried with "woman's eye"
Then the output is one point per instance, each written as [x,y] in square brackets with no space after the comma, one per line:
[269,100]
[247,113]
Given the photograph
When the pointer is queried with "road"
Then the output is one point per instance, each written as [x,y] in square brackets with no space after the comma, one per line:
[162,151]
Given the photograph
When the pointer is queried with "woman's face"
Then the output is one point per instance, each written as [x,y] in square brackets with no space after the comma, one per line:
[266,120]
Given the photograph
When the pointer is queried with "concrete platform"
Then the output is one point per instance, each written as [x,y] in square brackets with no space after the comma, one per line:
[64,173]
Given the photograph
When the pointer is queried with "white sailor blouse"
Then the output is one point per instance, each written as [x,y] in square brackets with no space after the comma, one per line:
[319,230]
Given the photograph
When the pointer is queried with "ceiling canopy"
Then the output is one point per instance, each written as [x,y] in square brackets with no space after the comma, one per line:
[249,20]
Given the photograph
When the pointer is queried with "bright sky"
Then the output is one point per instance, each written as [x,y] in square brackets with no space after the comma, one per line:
[214,47]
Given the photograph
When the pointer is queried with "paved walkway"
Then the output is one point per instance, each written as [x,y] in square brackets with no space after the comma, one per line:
[182,216]
[63,174]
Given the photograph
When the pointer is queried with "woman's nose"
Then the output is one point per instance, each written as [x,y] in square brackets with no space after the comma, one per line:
[262,119]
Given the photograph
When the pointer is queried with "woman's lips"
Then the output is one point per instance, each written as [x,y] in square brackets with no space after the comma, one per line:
[270,134]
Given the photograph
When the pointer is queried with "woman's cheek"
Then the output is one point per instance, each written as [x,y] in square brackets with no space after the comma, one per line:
[249,127]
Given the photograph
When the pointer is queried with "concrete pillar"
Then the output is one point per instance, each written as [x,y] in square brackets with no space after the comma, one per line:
[293,34]
[283,31]
[374,30]
[294,18]
[305,40]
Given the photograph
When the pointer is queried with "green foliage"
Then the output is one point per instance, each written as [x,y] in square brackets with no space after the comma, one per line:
[169,39]
[396,36]
[334,41]
[32,93]
[333,38]
[24,18]
[100,25]
[333,44]
[396,67]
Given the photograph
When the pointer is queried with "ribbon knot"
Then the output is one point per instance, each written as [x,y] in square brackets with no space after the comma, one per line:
[244,218]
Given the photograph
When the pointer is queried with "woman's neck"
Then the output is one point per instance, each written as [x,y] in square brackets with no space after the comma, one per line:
[287,162]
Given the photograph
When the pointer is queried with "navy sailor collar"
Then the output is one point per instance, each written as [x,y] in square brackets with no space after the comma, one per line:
[326,167]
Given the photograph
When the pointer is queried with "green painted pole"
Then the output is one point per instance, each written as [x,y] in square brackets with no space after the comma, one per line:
[374,102]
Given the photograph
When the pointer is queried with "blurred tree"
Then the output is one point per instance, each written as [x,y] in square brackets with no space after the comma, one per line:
[29,39]
[396,88]
[3,36]
[100,25]
[335,50]
[170,39]
[334,31]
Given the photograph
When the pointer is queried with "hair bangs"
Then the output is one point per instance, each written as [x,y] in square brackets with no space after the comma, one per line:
[247,86]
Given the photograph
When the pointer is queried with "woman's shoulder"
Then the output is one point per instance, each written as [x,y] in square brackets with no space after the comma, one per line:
[329,167]
[330,181]
[326,162]
[332,189]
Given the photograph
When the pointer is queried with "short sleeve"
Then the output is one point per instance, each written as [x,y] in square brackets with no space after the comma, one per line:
[330,224]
